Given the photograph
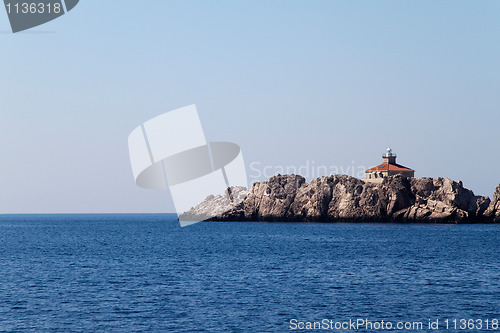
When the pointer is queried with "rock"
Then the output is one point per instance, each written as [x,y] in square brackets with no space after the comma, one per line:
[344,198]
[493,211]
[215,205]
[269,201]
[443,200]
[353,200]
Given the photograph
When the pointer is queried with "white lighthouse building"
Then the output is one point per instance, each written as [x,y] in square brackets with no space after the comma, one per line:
[389,167]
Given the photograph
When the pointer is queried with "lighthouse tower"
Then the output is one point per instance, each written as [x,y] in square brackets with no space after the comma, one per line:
[389,157]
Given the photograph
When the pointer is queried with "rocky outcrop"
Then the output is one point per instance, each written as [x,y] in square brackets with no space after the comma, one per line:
[344,198]
[493,211]
[215,205]
[443,200]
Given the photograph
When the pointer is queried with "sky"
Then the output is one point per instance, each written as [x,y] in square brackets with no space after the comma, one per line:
[294,83]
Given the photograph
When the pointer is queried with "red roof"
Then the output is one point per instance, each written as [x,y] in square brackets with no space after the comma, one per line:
[390,167]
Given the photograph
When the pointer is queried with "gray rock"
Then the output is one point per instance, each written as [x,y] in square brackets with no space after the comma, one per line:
[345,198]
[493,211]
[215,205]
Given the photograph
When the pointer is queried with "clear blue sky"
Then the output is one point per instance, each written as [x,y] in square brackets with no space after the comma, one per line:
[290,81]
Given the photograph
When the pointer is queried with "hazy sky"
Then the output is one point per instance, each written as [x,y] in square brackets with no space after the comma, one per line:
[329,82]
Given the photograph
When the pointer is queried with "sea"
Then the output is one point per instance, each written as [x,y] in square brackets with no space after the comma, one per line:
[144,273]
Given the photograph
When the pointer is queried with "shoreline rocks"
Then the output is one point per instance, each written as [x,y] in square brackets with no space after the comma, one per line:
[493,211]
[341,198]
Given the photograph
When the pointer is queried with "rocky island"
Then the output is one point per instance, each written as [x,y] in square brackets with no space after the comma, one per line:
[341,198]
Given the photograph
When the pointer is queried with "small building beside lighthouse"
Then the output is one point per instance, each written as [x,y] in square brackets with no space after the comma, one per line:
[389,167]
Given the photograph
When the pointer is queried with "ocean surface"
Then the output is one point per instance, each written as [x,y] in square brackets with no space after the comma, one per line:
[143,273]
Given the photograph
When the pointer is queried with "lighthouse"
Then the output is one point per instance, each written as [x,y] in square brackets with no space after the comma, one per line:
[389,167]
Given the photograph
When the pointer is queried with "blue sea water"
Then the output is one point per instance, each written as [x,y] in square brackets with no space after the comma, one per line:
[143,273]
